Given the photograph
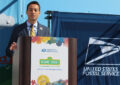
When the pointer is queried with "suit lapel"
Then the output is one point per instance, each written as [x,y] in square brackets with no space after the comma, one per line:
[25,31]
[39,31]
[42,30]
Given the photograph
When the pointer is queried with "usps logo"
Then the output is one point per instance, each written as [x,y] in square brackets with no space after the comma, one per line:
[103,51]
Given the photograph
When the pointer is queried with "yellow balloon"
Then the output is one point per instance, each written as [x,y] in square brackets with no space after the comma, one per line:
[43,80]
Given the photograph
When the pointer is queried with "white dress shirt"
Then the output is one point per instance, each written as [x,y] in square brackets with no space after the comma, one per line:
[29,28]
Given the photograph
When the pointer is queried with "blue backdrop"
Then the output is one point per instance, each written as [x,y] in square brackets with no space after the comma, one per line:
[98,49]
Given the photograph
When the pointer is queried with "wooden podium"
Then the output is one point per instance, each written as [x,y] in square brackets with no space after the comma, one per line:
[21,72]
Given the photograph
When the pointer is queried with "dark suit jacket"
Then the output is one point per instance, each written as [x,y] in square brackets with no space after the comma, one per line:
[21,30]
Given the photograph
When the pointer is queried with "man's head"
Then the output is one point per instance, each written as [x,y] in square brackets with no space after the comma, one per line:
[33,11]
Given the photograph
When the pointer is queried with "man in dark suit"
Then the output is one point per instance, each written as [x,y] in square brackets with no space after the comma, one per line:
[33,12]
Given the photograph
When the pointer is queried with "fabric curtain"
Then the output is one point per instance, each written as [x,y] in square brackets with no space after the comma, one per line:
[98,43]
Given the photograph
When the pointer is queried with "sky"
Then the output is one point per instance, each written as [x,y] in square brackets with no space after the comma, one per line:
[80,6]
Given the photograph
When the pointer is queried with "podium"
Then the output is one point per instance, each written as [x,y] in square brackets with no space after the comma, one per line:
[45,61]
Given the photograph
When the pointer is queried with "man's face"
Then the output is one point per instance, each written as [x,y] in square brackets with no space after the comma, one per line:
[33,12]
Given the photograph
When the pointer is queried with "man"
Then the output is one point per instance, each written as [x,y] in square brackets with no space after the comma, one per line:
[30,28]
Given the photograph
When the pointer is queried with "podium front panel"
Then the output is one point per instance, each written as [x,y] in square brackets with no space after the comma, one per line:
[45,61]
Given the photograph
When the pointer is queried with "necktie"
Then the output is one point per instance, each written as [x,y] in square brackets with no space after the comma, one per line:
[32,32]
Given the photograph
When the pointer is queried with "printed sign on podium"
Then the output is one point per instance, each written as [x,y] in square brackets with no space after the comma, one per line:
[49,60]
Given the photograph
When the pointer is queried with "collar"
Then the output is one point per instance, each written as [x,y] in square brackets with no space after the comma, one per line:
[28,24]
[35,26]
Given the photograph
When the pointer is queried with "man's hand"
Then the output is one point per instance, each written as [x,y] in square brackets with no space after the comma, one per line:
[13,46]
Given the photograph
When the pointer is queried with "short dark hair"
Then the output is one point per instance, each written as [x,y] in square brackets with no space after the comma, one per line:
[33,2]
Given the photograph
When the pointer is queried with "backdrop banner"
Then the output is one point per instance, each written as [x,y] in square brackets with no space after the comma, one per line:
[98,48]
